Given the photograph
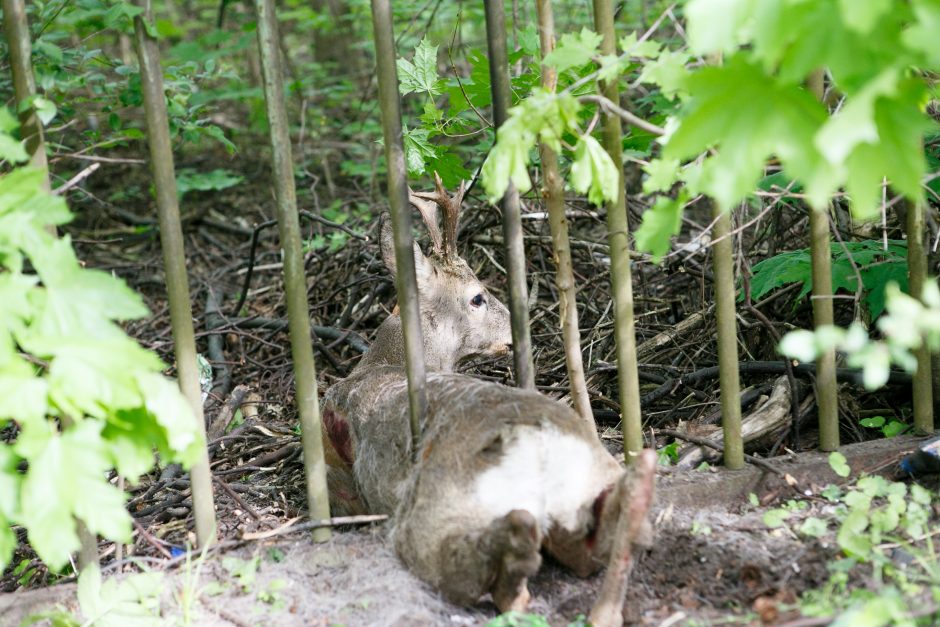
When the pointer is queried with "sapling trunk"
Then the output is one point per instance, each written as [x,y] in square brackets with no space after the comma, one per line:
[295,283]
[917,269]
[821,253]
[406,284]
[618,238]
[554,194]
[16,28]
[174,261]
[723,264]
[512,222]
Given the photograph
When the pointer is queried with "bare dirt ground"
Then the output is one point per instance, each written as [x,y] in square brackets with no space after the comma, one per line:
[713,556]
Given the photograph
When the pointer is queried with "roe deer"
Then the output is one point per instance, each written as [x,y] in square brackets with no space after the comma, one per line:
[501,472]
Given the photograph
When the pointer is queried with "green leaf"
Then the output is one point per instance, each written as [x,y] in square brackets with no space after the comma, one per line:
[813,527]
[132,600]
[574,50]
[714,24]
[852,537]
[417,150]
[660,223]
[922,35]
[875,422]
[190,180]
[11,149]
[594,172]
[775,518]
[647,49]
[839,464]
[169,407]
[894,429]
[662,174]
[421,74]
[45,109]
[668,71]
[67,480]
[863,16]
[780,120]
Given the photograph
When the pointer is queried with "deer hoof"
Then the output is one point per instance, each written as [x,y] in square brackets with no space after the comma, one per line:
[520,560]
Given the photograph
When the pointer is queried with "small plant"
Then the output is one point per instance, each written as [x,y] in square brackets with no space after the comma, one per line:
[78,397]
[878,267]
[874,521]
[908,325]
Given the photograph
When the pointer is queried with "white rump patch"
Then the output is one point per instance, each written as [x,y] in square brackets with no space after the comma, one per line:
[549,474]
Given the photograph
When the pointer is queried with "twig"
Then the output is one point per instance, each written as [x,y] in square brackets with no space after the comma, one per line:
[630,118]
[757,461]
[75,180]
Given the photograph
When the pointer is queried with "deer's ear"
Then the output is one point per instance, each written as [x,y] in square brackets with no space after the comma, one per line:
[422,264]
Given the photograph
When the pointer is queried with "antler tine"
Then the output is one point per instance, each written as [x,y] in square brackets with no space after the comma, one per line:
[451,206]
[428,211]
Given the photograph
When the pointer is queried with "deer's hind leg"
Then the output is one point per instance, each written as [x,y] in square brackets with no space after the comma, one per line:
[466,560]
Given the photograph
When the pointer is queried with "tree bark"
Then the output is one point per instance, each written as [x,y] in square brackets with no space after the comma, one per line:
[554,194]
[174,262]
[295,283]
[512,222]
[405,281]
[618,238]
[917,269]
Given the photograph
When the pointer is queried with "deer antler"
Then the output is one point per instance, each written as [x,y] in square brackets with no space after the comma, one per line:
[450,206]
[428,211]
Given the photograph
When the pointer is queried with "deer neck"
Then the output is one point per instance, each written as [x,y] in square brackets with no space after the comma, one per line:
[388,349]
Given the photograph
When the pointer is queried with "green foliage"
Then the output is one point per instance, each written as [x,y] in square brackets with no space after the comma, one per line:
[888,428]
[189,180]
[770,48]
[660,223]
[113,602]
[908,325]
[83,397]
[878,267]
[668,454]
[420,75]
[876,519]
[839,464]
[520,619]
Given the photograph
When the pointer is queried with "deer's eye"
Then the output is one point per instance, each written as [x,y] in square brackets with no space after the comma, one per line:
[478,300]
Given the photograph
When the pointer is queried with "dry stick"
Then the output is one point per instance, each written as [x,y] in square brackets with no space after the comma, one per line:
[634,510]
[821,253]
[405,282]
[917,277]
[554,194]
[174,261]
[512,220]
[295,284]
[723,263]
[16,27]
[619,241]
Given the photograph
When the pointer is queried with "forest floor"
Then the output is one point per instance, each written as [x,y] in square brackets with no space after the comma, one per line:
[714,559]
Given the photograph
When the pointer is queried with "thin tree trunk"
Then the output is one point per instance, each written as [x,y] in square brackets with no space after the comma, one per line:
[723,263]
[820,250]
[295,283]
[826,387]
[512,222]
[405,281]
[16,27]
[554,194]
[917,268]
[174,262]
[618,238]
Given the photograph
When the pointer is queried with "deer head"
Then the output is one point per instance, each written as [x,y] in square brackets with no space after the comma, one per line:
[460,318]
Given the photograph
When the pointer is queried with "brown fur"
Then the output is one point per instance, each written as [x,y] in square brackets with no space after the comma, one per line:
[441,531]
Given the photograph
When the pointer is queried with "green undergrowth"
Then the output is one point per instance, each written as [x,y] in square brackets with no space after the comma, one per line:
[887,571]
